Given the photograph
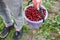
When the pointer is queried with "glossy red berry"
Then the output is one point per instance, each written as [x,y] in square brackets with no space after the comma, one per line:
[33,14]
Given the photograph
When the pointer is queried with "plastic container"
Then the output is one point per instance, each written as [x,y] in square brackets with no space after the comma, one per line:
[34,24]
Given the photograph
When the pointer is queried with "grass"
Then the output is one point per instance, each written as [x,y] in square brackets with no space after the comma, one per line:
[50,29]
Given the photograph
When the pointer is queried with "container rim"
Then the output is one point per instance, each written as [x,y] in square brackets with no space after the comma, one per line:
[35,21]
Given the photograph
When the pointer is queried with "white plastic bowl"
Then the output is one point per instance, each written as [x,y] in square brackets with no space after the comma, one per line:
[34,23]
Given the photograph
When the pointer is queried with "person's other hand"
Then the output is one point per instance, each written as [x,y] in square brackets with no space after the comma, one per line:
[37,3]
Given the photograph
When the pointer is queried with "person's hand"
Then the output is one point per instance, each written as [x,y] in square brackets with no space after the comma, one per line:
[37,3]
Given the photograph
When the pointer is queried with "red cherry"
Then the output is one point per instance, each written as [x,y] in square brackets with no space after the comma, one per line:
[33,14]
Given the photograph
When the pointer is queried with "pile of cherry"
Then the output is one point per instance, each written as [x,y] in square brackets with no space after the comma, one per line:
[33,14]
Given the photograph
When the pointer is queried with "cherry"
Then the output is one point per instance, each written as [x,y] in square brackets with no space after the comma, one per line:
[33,14]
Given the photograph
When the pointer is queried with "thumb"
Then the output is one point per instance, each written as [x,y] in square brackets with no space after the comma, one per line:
[39,3]
[38,6]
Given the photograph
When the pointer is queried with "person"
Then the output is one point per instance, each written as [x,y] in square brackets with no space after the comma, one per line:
[37,3]
[9,10]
